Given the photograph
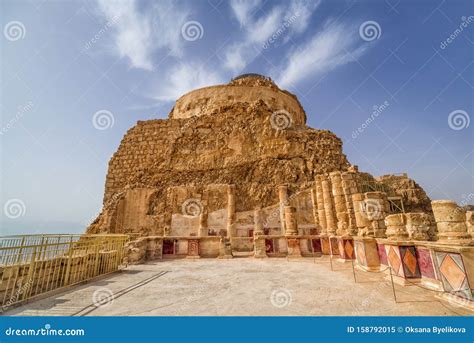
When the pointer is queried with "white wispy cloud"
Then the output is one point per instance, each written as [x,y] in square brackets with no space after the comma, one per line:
[335,45]
[239,54]
[132,32]
[138,35]
[145,32]
[184,77]
[258,29]
[244,9]
[304,9]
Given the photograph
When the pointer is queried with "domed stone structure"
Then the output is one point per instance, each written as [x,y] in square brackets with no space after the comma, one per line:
[235,170]
[248,133]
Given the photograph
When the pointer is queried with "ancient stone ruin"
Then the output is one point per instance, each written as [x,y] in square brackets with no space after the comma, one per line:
[235,171]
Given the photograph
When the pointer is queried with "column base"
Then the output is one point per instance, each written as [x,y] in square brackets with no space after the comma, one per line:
[193,249]
[294,249]
[225,249]
[366,253]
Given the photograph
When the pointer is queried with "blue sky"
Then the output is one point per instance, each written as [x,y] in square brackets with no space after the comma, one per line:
[393,79]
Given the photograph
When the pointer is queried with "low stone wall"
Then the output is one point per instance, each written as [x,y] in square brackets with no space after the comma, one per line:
[435,250]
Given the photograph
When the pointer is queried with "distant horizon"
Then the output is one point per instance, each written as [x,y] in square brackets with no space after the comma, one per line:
[77,75]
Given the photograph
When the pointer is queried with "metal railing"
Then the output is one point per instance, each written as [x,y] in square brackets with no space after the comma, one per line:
[374,186]
[31,265]
[395,201]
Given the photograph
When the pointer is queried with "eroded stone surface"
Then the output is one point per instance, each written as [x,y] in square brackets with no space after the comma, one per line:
[251,136]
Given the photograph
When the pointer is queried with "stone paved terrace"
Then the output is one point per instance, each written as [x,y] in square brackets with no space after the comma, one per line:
[242,286]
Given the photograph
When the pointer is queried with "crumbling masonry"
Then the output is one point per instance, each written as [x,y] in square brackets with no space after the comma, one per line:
[234,171]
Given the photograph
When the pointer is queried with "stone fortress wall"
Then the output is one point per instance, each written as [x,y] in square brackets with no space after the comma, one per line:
[221,178]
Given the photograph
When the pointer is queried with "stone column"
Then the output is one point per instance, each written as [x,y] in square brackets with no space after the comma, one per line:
[193,248]
[231,210]
[374,209]
[294,249]
[339,204]
[470,223]
[396,227]
[290,221]
[361,219]
[369,211]
[418,226]
[203,227]
[349,187]
[320,203]
[167,219]
[329,207]
[451,222]
[314,204]
[257,221]
[283,197]
[258,234]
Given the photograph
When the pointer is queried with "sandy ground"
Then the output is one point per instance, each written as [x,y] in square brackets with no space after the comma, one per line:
[241,286]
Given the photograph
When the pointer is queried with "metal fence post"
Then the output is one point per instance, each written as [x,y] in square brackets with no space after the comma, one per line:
[393,286]
[353,271]
[30,280]
[68,268]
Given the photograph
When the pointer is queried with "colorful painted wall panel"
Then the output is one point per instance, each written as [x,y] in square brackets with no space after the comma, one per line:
[394,259]
[360,253]
[426,263]
[453,275]
[325,246]
[317,245]
[411,268]
[347,247]
[382,254]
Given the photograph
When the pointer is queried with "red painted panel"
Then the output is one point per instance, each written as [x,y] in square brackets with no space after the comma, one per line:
[425,262]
